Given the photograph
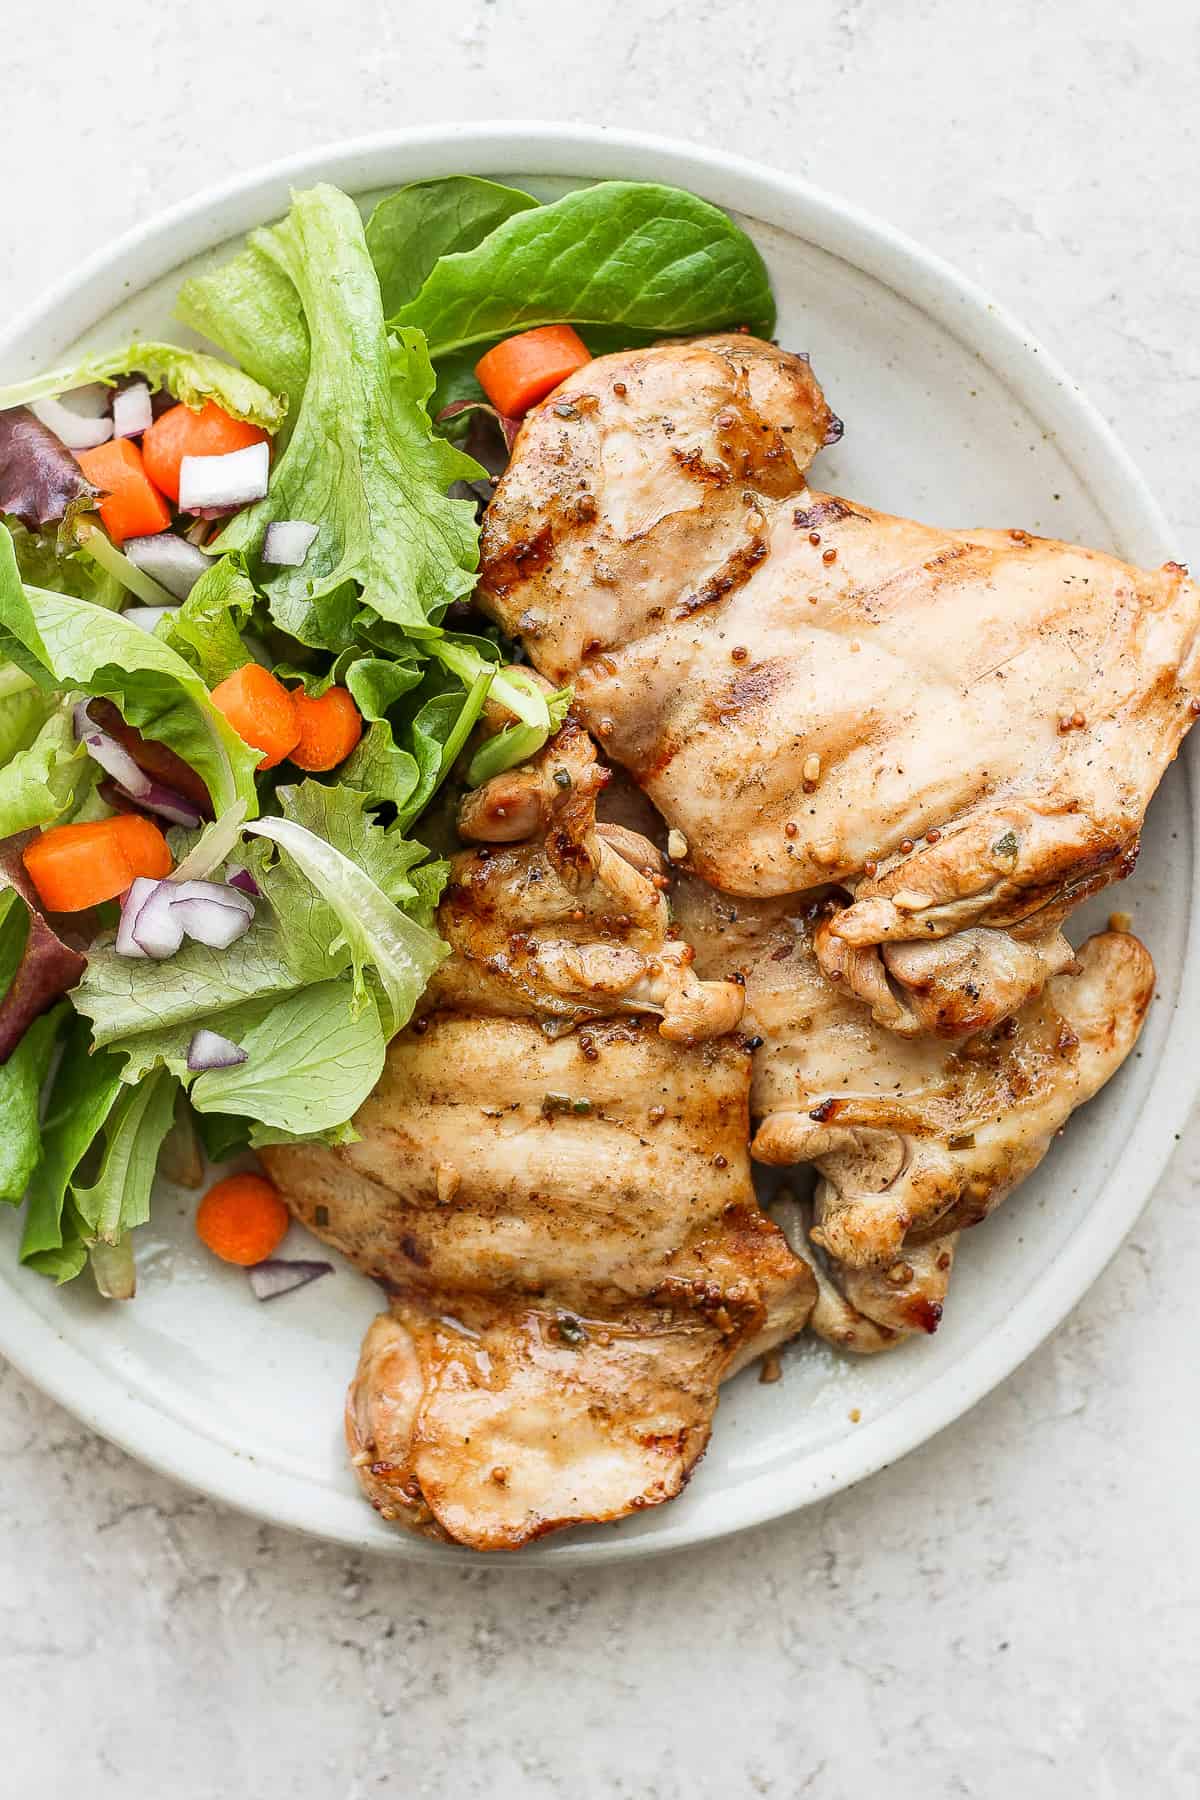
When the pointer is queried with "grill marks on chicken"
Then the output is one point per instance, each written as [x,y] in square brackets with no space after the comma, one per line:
[575,1256]
[913,1141]
[569,923]
[962,727]
[552,1180]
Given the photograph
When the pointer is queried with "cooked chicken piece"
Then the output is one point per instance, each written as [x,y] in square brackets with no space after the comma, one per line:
[868,1310]
[913,1141]
[569,923]
[576,1258]
[951,987]
[807,689]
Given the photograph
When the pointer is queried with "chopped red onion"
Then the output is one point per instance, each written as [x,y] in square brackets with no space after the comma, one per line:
[139,892]
[71,428]
[113,758]
[146,618]
[169,805]
[209,1050]
[212,915]
[132,412]
[171,561]
[155,929]
[230,480]
[288,541]
[282,1275]
[241,878]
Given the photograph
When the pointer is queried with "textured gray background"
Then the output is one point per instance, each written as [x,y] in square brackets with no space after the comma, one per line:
[1013,1608]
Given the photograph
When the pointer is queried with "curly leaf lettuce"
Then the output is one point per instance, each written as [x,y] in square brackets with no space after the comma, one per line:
[362,877]
[310,1064]
[67,643]
[363,462]
[192,376]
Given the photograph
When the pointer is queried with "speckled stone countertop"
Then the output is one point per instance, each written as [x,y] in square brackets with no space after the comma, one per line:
[1013,1608]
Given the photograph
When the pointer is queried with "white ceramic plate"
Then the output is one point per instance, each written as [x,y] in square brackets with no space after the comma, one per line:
[952,414]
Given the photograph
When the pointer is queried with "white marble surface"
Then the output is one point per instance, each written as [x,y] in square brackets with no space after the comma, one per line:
[1013,1608]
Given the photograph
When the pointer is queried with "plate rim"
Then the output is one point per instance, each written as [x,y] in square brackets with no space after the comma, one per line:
[41,1352]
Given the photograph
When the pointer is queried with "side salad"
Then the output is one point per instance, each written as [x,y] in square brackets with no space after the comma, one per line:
[239,669]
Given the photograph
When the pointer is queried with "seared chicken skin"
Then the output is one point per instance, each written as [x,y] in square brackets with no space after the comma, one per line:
[553,1182]
[963,728]
[913,1140]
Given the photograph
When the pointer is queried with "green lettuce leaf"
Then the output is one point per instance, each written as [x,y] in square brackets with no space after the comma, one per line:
[362,877]
[310,1064]
[250,308]
[206,630]
[55,561]
[148,1011]
[119,1198]
[363,461]
[83,1093]
[67,643]
[42,782]
[621,253]
[190,375]
[21,1077]
[412,228]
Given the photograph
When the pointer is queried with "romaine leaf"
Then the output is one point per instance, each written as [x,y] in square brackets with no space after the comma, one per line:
[309,1064]
[21,1077]
[56,562]
[412,228]
[40,481]
[22,716]
[206,630]
[41,782]
[136,1125]
[362,875]
[627,253]
[82,1095]
[67,643]
[363,461]
[190,375]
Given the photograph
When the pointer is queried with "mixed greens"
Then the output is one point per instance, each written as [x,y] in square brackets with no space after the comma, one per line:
[268,923]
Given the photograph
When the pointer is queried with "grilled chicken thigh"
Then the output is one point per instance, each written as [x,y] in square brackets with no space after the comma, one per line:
[913,1140]
[553,1182]
[962,727]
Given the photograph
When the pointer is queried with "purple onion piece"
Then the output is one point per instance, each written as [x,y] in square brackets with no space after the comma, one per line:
[70,427]
[170,560]
[167,804]
[113,758]
[209,1050]
[234,479]
[139,892]
[221,893]
[243,880]
[211,920]
[132,412]
[155,928]
[282,1275]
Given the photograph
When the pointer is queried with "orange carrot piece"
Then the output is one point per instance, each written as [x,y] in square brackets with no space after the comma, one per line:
[242,1219]
[261,711]
[77,866]
[180,432]
[522,370]
[329,729]
[130,505]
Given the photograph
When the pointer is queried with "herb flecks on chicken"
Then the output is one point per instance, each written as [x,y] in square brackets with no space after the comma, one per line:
[963,728]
